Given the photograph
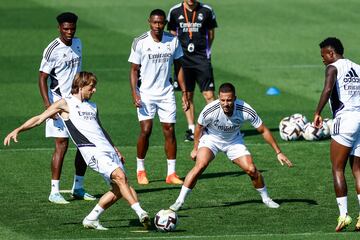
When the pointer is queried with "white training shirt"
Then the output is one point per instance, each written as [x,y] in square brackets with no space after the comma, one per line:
[156,59]
[83,125]
[217,124]
[346,92]
[62,63]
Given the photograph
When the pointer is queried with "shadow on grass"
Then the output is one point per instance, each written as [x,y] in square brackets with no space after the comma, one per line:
[203,176]
[238,203]
[252,132]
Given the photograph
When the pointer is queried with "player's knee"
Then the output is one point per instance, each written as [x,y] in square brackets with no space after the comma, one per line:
[252,172]
[201,166]
[61,145]
[119,178]
[145,132]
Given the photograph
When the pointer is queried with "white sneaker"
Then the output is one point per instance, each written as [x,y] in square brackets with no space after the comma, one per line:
[270,203]
[145,220]
[80,193]
[176,206]
[57,198]
[93,224]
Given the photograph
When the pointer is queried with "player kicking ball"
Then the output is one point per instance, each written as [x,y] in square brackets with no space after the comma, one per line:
[82,121]
[218,130]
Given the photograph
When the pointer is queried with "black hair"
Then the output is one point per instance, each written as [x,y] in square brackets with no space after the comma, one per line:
[227,88]
[67,17]
[334,43]
[158,12]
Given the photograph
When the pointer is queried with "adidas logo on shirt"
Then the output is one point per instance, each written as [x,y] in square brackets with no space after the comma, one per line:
[181,17]
[351,76]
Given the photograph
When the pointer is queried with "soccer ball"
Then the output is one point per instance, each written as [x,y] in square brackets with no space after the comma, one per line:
[166,220]
[288,130]
[329,123]
[312,133]
[299,119]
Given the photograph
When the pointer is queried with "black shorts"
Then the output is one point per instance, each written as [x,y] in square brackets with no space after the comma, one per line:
[202,75]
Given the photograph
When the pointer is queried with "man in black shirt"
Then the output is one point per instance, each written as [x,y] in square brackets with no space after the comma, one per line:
[194,23]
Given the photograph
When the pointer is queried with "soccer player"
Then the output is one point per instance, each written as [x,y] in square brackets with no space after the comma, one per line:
[218,130]
[94,143]
[194,23]
[152,55]
[61,61]
[342,89]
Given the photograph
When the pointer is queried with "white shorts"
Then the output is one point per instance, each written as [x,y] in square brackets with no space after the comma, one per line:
[346,129]
[165,108]
[233,149]
[55,128]
[102,162]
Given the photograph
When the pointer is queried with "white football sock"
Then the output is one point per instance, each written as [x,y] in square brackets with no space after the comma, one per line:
[55,186]
[191,127]
[359,201]
[78,182]
[183,194]
[342,204]
[171,163]
[137,208]
[95,213]
[263,193]
[140,166]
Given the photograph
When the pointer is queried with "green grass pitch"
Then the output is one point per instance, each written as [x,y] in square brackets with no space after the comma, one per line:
[259,44]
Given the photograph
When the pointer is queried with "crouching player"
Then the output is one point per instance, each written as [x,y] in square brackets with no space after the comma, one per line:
[218,130]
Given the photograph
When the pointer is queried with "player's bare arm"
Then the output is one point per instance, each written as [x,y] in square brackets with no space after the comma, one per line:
[269,138]
[181,81]
[43,87]
[134,70]
[330,78]
[211,36]
[58,107]
[197,135]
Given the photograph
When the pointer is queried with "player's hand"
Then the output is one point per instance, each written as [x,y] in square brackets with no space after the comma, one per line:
[185,102]
[193,154]
[318,121]
[122,158]
[137,100]
[283,159]
[12,135]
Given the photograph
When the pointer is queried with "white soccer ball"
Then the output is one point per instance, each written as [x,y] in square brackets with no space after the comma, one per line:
[312,133]
[299,119]
[289,131]
[166,220]
[329,123]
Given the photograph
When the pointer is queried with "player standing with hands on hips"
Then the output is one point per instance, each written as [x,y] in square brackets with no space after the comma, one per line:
[218,130]
[152,54]
[194,23]
[83,124]
[61,61]
[342,90]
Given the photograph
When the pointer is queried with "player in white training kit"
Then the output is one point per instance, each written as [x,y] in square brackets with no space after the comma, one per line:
[342,90]
[218,130]
[83,124]
[152,55]
[60,63]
